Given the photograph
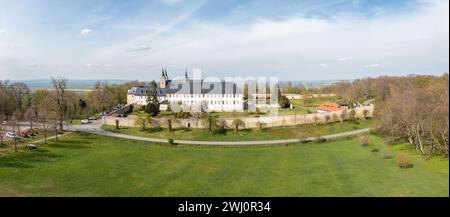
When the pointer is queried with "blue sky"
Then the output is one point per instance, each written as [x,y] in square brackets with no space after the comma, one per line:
[291,39]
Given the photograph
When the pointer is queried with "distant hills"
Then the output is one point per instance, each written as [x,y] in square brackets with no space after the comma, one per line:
[89,84]
[72,84]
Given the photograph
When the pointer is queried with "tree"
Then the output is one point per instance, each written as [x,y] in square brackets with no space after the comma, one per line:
[316,120]
[2,118]
[117,123]
[415,109]
[261,125]
[44,104]
[152,100]
[335,117]
[29,115]
[238,123]
[327,118]
[142,120]
[283,101]
[343,115]
[352,114]
[15,126]
[60,98]
[82,104]
[169,124]
[365,113]
[101,96]
[19,91]
[210,121]
[221,127]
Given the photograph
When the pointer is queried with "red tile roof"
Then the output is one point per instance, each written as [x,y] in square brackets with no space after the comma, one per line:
[329,107]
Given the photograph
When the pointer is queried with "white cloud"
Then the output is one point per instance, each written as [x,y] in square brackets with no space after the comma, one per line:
[97,65]
[2,31]
[323,65]
[291,47]
[344,59]
[171,2]
[12,46]
[85,32]
[34,65]
[138,48]
[375,65]
[378,65]
[297,44]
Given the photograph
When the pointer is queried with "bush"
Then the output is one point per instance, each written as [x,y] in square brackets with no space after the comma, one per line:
[364,139]
[387,155]
[404,161]
[171,141]
[320,139]
[182,115]
[375,150]
[303,139]
[219,131]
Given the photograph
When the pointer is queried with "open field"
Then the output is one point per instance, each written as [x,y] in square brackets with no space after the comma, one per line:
[89,165]
[244,134]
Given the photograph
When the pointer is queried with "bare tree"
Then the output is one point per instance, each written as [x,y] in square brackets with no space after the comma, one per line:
[1,128]
[44,103]
[29,115]
[60,98]
[238,123]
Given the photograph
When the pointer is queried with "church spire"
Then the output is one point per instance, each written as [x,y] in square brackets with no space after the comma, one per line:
[162,71]
[186,73]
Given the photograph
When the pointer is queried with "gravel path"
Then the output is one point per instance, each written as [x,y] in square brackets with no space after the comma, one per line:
[95,129]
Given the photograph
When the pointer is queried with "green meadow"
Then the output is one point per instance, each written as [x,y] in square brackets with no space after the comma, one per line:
[81,164]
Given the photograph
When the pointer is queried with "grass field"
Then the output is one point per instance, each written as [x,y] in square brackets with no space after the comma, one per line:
[92,165]
[245,134]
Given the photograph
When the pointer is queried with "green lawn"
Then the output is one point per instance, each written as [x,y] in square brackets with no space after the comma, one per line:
[91,165]
[245,134]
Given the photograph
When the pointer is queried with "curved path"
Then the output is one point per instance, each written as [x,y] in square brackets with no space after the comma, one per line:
[95,129]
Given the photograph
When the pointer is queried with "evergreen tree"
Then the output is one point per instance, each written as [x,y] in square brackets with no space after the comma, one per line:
[152,100]
[283,101]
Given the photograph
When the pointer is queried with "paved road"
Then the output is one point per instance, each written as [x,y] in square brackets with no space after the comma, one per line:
[95,129]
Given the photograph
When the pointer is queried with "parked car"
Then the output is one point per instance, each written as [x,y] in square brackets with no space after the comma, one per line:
[11,135]
[27,133]
[92,118]
[85,121]
[31,146]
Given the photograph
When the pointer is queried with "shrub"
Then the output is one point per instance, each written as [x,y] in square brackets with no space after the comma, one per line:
[375,150]
[303,139]
[335,118]
[387,155]
[219,131]
[364,140]
[182,115]
[404,161]
[171,141]
[320,139]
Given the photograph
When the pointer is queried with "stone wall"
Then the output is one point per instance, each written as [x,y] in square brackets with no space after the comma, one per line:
[276,121]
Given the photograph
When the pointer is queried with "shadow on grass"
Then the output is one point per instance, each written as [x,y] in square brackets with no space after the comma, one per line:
[27,158]
[72,144]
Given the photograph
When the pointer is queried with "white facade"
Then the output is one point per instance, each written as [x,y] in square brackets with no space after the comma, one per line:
[214,102]
[211,100]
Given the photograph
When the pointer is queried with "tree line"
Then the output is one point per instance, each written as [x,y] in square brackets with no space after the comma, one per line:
[409,108]
[57,105]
